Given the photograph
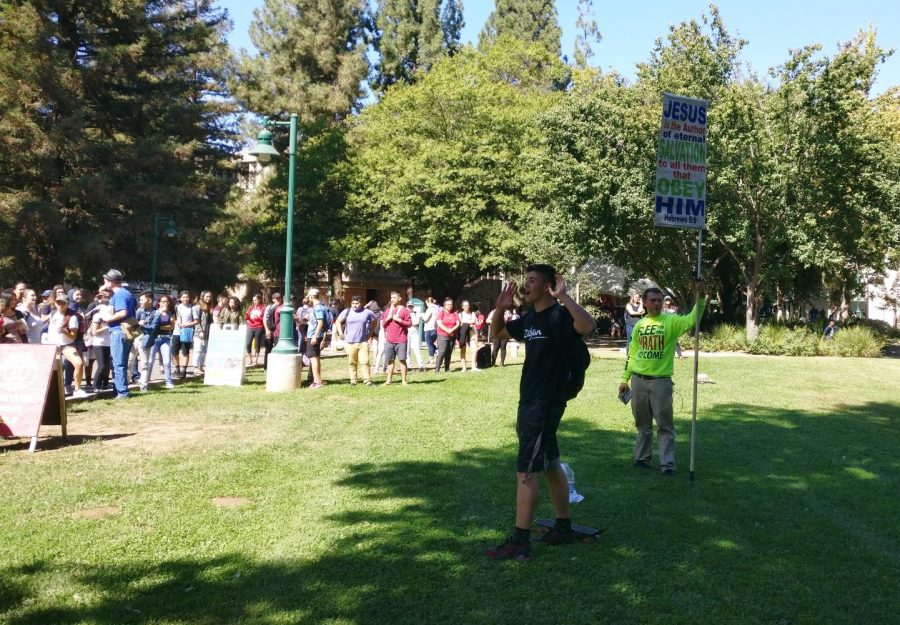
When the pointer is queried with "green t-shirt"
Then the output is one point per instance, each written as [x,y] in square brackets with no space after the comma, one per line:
[652,349]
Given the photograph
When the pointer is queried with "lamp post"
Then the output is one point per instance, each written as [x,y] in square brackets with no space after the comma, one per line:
[264,152]
[170,233]
[285,364]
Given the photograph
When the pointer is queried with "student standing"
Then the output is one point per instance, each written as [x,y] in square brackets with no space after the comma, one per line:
[62,331]
[446,324]
[396,322]
[100,342]
[256,330]
[354,327]
[430,318]
[414,337]
[634,310]
[163,343]
[201,335]
[542,401]
[123,307]
[186,319]
[148,320]
[315,335]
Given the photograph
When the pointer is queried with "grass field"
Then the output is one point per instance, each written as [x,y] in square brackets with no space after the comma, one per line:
[374,505]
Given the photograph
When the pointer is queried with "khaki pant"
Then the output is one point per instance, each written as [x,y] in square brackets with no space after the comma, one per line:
[358,357]
[652,399]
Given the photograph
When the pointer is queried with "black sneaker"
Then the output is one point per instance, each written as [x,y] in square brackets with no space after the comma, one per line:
[555,537]
[668,472]
[641,465]
[510,550]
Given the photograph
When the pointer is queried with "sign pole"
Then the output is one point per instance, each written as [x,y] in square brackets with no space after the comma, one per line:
[696,357]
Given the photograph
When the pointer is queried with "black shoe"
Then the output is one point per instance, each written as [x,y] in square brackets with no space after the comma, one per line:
[641,465]
[668,472]
[510,550]
[556,537]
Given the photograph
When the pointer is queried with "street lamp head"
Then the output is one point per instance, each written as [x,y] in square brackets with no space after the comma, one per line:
[263,149]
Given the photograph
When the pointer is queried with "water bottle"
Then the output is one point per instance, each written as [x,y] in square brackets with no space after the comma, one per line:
[574,496]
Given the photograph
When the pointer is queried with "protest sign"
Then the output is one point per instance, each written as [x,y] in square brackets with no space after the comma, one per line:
[31,391]
[681,164]
[225,356]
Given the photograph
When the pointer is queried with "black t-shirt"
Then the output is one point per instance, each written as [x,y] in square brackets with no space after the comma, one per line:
[544,374]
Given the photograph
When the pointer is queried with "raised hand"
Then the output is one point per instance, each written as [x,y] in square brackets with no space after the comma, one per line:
[560,289]
[505,299]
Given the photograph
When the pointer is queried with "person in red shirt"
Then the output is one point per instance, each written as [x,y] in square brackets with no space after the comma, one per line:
[256,331]
[447,325]
[396,321]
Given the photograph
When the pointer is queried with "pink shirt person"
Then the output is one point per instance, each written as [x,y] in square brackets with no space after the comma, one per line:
[396,322]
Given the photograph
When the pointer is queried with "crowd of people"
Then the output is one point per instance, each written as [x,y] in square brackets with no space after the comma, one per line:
[109,339]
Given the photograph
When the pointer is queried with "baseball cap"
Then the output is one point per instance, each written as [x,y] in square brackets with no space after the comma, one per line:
[314,293]
[113,275]
[47,293]
[61,297]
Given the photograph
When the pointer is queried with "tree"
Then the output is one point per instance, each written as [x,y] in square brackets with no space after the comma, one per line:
[804,178]
[528,20]
[586,32]
[602,147]
[112,115]
[413,35]
[311,60]
[439,171]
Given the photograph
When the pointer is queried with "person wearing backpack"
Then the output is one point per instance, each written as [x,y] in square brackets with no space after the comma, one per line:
[552,374]
[315,336]
[649,368]
[270,319]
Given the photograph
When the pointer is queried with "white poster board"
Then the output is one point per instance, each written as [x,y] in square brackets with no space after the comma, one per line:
[225,363]
[681,164]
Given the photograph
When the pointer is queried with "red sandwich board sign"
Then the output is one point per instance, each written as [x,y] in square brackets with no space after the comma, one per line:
[31,391]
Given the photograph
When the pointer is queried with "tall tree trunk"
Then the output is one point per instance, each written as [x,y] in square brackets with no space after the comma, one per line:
[752,320]
[336,274]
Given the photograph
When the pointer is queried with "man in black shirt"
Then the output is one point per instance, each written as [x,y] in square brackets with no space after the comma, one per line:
[542,400]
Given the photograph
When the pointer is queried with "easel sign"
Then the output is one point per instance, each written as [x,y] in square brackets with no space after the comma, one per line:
[31,391]
[225,356]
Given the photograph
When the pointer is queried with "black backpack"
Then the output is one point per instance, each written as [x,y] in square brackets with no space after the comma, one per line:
[577,359]
[483,357]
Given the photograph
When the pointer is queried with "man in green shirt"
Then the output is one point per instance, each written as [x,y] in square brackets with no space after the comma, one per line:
[649,365]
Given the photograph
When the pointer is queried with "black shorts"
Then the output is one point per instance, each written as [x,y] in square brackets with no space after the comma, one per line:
[536,425]
[313,350]
[394,350]
[181,346]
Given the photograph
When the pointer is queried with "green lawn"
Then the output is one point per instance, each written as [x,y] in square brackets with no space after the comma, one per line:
[374,505]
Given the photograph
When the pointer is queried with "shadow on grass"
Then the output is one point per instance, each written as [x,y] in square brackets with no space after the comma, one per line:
[51,443]
[793,519]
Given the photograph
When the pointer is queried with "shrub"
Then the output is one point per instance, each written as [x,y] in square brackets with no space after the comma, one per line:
[778,339]
[859,341]
[725,337]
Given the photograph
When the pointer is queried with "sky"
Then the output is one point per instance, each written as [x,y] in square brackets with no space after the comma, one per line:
[629,29]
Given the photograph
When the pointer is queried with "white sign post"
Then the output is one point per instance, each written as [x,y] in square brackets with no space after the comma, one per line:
[225,363]
[681,191]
